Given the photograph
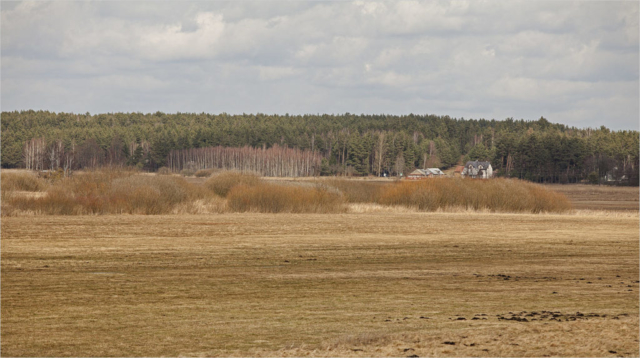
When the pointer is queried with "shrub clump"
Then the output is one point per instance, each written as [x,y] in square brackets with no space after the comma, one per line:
[498,195]
[21,181]
[111,192]
[187,172]
[223,182]
[204,173]
[273,198]
[164,171]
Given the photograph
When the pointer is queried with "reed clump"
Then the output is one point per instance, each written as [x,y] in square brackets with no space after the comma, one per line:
[21,181]
[223,182]
[274,198]
[204,173]
[109,192]
[496,195]
[164,171]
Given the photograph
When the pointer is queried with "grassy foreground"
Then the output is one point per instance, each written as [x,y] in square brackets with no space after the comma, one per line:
[381,284]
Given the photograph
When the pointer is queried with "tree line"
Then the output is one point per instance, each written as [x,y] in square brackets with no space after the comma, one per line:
[347,144]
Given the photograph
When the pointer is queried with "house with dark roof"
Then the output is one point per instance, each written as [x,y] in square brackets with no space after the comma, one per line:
[477,169]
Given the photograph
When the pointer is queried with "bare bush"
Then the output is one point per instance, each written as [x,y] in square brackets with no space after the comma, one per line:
[188,172]
[164,171]
[111,192]
[222,183]
[273,198]
[21,181]
[204,173]
[500,195]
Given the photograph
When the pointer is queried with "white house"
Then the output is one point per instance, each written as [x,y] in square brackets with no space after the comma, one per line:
[477,169]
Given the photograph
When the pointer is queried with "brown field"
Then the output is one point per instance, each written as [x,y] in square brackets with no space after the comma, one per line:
[594,197]
[388,283]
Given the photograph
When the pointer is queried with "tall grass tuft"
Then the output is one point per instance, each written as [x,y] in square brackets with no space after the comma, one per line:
[223,182]
[21,181]
[273,198]
[498,195]
[204,173]
[110,192]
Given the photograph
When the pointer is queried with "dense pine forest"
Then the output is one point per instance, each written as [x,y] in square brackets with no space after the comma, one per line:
[345,144]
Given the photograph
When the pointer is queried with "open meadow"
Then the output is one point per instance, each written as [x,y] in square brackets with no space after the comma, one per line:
[386,283]
[599,197]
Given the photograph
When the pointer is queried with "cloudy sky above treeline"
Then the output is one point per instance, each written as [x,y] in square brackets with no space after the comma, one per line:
[572,62]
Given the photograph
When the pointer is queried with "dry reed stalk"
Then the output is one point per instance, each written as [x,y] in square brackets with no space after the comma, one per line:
[497,195]
[273,198]
[21,181]
[222,182]
[110,192]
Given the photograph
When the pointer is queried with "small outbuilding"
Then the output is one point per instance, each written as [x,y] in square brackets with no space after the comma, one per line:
[477,169]
[425,173]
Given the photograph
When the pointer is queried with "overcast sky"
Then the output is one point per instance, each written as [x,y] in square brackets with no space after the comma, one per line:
[571,62]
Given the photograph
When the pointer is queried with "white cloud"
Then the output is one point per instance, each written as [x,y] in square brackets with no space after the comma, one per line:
[171,42]
[461,58]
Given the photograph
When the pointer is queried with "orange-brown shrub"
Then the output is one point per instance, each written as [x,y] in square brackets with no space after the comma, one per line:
[273,198]
[222,182]
[164,171]
[500,195]
[21,181]
[204,173]
[111,192]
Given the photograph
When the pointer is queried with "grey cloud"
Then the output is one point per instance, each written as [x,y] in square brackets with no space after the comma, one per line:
[573,62]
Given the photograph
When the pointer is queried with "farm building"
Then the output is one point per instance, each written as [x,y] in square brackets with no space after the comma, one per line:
[477,169]
[425,173]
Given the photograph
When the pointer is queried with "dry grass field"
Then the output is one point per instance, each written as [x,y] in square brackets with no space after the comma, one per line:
[594,197]
[387,283]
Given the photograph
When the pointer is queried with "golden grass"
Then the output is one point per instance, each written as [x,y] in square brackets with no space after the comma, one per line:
[273,198]
[222,182]
[118,191]
[319,285]
[107,192]
[496,195]
[599,197]
[21,181]
[205,173]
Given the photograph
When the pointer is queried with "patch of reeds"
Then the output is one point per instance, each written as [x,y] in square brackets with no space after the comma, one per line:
[120,191]
[496,195]
[110,192]
[164,171]
[204,173]
[274,198]
[223,182]
[21,181]
[187,172]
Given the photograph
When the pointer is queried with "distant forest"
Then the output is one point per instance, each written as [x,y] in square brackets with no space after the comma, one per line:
[345,144]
